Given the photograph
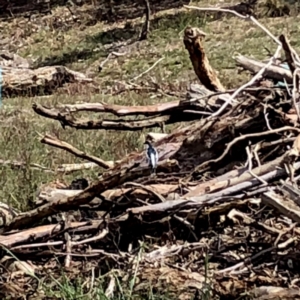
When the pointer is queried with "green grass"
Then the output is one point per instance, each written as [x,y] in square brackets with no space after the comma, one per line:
[83,48]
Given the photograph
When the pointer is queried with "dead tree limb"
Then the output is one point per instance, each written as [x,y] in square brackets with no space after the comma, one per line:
[120,110]
[107,124]
[254,66]
[108,180]
[193,38]
[289,53]
[69,168]
[49,194]
[55,142]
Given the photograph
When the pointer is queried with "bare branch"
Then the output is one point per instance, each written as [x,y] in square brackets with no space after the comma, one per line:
[55,142]
[146,27]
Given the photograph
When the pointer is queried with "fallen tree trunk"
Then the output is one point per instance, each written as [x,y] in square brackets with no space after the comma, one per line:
[41,81]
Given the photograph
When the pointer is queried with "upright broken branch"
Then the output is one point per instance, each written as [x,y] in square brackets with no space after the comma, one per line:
[193,38]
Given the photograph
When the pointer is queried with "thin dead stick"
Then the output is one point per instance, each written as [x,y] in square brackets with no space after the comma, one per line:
[153,66]
[266,117]
[291,55]
[37,245]
[68,249]
[247,17]
[108,57]
[255,150]
[21,165]
[252,81]
[249,153]
[92,239]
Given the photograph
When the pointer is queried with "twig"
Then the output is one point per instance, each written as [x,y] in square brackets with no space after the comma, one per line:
[266,117]
[282,233]
[22,165]
[247,261]
[100,68]
[291,55]
[255,150]
[153,66]
[37,245]
[98,237]
[68,249]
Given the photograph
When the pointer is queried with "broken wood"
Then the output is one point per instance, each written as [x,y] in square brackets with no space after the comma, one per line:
[193,39]
[23,81]
[272,72]
[55,142]
[109,180]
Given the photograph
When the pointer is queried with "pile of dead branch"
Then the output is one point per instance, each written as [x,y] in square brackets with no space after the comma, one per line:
[221,215]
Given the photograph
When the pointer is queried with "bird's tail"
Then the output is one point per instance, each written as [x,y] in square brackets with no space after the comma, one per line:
[153,168]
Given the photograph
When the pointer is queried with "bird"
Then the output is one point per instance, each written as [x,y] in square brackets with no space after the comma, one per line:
[152,156]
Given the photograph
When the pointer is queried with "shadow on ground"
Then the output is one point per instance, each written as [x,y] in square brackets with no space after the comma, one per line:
[102,10]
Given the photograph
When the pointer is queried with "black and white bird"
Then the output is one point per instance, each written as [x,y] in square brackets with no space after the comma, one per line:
[152,156]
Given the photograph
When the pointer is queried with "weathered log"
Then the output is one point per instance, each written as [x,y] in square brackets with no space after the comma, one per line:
[273,72]
[274,292]
[110,124]
[12,60]
[38,232]
[41,81]
[50,194]
[248,182]
[68,168]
